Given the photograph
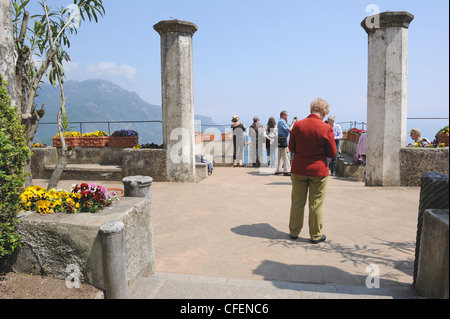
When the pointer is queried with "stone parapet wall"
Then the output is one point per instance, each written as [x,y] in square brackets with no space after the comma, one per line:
[145,162]
[89,155]
[415,161]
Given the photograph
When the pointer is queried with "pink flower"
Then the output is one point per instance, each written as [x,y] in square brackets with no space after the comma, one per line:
[92,187]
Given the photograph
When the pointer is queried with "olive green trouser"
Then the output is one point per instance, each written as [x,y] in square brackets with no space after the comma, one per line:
[300,187]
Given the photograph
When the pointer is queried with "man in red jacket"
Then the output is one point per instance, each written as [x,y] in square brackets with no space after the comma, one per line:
[311,142]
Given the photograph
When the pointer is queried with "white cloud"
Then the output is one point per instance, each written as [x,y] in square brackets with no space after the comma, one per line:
[70,66]
[110,69]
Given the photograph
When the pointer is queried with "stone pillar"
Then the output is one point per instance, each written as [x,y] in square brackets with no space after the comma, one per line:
[178,98]
[138,186]
[386,95]
[114,261]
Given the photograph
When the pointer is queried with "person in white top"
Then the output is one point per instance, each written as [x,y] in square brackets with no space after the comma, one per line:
[338,135]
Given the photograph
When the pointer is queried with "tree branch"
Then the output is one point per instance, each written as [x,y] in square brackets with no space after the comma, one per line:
[23,28]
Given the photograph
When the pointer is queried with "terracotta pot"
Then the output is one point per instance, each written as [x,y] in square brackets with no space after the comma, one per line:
[353,137]
[443,138]
[123,141]
[97,141]
[345,134]
[70,141]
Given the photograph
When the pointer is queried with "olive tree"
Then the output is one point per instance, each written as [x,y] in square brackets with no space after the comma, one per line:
[41,44]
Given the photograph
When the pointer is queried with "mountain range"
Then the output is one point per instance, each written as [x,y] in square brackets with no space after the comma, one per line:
[97,100]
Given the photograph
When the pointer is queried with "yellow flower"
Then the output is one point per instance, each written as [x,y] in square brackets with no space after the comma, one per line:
[44,207]
[26,196]
[64,194]
[70,134]
[95,134]
[75,195]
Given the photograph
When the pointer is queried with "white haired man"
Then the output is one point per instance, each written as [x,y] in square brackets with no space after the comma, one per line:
[338,135]
[415,135]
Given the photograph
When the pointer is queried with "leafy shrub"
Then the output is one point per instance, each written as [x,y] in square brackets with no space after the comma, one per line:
[13,156]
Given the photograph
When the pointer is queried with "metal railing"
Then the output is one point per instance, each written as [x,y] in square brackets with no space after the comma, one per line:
[352,124]
[100,122]
[427,118]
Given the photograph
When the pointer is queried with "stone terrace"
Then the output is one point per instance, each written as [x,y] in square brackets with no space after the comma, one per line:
[234,225]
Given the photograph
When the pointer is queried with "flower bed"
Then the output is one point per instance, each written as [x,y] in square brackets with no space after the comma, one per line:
[39,145]
[148,146]
[426,145]
[84,198]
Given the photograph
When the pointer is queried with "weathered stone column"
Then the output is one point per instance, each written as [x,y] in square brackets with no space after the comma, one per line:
[114,261]
[178,98]
[138,186]
[386,95]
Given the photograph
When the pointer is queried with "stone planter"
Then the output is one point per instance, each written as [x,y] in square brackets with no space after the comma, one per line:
[70,141]
[442,138]
[97,141]
[123,141]
[62,243]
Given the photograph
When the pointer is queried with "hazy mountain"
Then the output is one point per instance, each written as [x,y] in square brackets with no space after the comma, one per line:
[100,101]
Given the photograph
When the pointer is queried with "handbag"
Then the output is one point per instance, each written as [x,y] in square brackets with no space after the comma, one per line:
[282,142]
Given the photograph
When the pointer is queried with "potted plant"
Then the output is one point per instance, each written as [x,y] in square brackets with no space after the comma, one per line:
[94,139]
[123,139]
[442,136]
[71,138]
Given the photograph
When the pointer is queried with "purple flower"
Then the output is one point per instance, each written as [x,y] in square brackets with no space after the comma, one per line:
[122,132]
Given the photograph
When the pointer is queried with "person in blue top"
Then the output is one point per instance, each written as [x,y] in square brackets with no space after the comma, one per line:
[284,128]
[338,135]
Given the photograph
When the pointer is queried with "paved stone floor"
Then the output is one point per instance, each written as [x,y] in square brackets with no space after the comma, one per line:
[234,226]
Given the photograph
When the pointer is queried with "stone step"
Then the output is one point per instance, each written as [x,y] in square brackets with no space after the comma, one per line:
[183,286]
[346,168]
[89,172]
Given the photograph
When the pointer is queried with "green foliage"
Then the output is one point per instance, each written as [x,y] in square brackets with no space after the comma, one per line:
[13,156]
[48,41]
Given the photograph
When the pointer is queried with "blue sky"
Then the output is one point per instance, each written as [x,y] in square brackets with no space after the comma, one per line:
[260,57]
